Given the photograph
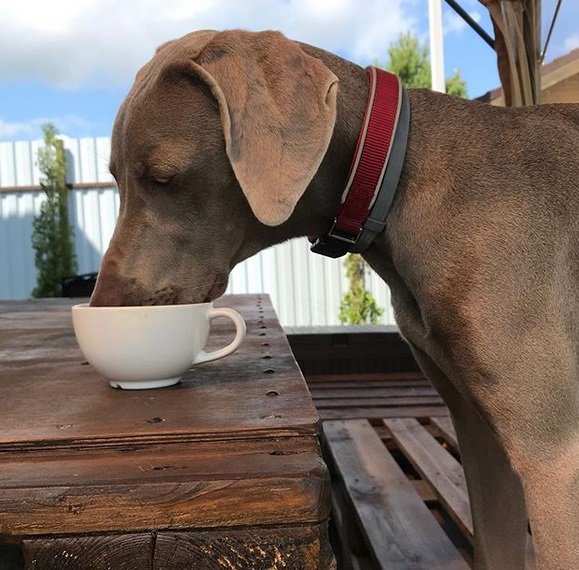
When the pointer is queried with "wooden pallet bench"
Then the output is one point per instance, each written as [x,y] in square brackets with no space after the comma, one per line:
[399,498]
[399,495]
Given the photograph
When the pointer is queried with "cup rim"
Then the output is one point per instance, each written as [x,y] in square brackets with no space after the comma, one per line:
[131,308]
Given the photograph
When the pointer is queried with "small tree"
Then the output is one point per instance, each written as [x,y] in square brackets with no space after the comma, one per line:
[52,233]
[358,305]
[411,62]
[456,85]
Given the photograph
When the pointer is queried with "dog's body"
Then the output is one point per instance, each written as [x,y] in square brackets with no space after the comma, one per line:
[481,249]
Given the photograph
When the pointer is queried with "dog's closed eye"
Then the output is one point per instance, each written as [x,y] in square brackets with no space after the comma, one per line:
[161,175]
[162,180]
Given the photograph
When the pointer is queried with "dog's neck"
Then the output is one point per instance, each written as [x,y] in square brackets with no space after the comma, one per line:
[420,181]
[320,203]
[317,208]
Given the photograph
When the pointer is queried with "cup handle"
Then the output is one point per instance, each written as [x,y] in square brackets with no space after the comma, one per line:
[240,329]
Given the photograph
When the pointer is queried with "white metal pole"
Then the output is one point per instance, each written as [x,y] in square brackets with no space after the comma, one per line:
[436,45]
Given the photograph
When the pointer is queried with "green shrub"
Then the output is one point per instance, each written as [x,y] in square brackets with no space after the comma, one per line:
[358,305]
[52,234]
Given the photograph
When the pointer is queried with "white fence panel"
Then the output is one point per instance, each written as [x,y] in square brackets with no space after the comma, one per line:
[305,288]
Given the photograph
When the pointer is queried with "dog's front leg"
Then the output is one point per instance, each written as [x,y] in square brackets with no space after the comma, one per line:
[495,492]
[551,485]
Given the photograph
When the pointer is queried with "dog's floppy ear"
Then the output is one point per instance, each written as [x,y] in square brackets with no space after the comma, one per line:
[278,109]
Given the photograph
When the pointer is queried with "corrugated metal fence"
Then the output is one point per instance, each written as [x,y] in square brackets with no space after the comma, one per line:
[305,288]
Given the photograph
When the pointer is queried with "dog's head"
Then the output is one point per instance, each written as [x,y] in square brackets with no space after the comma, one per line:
[219,137]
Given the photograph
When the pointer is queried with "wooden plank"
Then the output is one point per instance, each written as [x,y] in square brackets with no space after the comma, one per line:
[397,524]
[146,464]
[108,552]
[378,402]
[436,466]
[322,393]
[380,413]
[369,384]
[184,488]
[168,505]
[74,186]
[304,547]
[368,376]
[446,428]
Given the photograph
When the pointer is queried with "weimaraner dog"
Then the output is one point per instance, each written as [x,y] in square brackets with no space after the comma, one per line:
[230,142]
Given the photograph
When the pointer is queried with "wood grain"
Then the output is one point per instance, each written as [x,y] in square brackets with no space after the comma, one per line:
[399,378]
[171,500]
[256,549]
[443,472]
[366,384]
[387,402]
[297,548]
[120,552]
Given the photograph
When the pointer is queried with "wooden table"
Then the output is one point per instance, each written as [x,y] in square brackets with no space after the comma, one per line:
[221,471]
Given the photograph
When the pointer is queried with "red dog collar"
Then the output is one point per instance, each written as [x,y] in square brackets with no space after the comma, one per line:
[375,169]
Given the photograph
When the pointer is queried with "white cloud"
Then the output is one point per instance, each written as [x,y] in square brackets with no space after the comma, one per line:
[69,43]
[32,128]
[9,130]
[572,42]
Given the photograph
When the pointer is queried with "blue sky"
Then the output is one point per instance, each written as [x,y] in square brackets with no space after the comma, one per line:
[73,61]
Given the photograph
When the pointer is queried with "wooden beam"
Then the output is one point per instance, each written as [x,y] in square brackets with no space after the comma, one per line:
[75,186]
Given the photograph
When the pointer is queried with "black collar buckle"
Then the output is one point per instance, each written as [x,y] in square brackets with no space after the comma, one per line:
[334,244]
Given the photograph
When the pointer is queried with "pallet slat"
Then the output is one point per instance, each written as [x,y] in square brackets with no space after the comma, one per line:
[375,402]
[380,413]
[352,391]
[369,384]
[447,429]
[436,466]
[383,377]
[395,521]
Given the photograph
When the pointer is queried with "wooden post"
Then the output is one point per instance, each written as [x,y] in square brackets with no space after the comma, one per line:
[517,25]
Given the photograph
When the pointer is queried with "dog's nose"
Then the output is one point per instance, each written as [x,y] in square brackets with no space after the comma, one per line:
[113,289]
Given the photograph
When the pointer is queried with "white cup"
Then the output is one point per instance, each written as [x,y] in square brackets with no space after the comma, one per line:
[138,348]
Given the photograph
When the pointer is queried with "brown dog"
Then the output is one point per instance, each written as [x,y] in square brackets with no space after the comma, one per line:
[231,142]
